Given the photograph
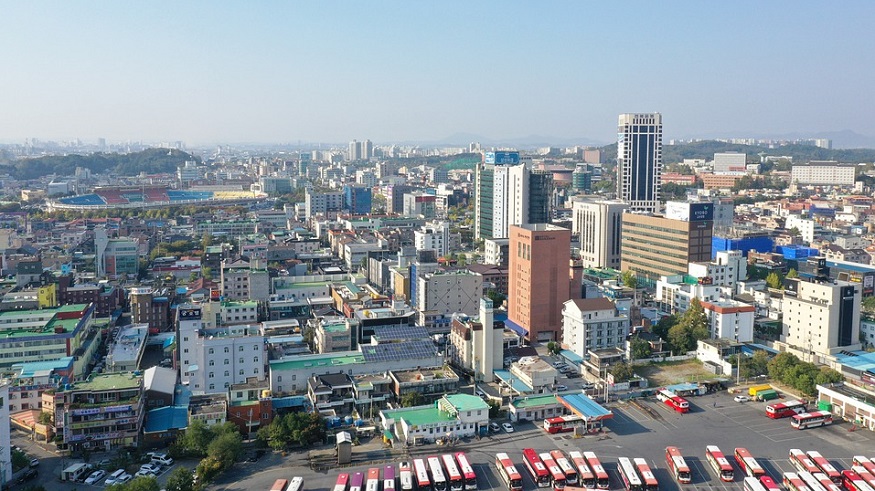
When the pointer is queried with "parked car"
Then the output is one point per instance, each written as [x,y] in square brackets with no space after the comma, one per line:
[494,426]
[742,399]
[162,459]
[34,462]
[124,478]
[150,467]
[95,477]
[507,427]
[114,477]
[561,387]
[28,475]
[144,473]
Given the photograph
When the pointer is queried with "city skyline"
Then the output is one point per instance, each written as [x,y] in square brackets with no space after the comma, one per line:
[209,73]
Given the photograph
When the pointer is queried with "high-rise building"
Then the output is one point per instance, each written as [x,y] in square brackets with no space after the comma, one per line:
[509,193]
[357,199]
[539,280]
[599,225]
[821,317]
[355,151]
[540,190]
[639,160]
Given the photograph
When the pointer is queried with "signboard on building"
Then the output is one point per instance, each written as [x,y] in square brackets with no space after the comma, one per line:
[501,158]
[868,284]
[689,212]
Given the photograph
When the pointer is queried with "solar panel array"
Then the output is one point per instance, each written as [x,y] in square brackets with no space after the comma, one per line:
[400,333]
[422,348]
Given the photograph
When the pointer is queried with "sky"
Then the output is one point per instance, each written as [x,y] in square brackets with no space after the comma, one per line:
[399,71]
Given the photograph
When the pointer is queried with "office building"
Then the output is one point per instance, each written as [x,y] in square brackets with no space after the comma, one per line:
[449,292]
[433,235]
[357,199]
[599,225]
[495,251]
[539,280]
[590,324]
[821,317]
[419,204]
[508,192]
[730,162]
[823,173]
[327,204]
[639,161]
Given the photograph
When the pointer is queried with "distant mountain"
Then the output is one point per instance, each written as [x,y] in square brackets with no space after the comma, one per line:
[844,139]
[150,161]
[523,142]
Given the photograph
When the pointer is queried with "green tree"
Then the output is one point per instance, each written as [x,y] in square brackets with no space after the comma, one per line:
[662,327]
[622,372]
[179,480]
[869,304]
[139,483]
[196,439]
[207,470]
[780,366]
[19,459]
[828,376]
[226,448]
[773,280]
[207,272]
[629,279]
[758,364]
[640,348]
[206,241]
[691,327]
[411,399]
[792,273]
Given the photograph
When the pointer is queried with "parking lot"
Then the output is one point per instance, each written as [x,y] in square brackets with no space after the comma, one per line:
[633,432]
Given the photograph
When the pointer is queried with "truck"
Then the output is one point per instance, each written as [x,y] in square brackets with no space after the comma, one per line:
[756,389]
[76,472]
[767,395]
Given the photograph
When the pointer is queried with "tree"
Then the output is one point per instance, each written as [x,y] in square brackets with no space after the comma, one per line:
[792,273]
[226,448]
[179,480]
[411,399]
[662,327]
[207,272]
[206,241]
[828,376]
[19,459]
[869,304]
[781,365]
[758,364]
[773,280]
[794,232]
[196,438]
[139,483]
[640,348]
[691,327]
[208,469]
[629,279]
[622,372]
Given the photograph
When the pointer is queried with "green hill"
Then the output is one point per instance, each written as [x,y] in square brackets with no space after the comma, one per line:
[151,161]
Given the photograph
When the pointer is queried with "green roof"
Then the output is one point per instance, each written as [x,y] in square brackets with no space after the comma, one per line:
[335,327]
[322,360]
[420,415]
[534,401]
[125,380]
[78,307]
[239,303]
[466,402]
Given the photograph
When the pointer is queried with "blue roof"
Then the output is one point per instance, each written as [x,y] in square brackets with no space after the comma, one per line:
[166,418]
[168,342]
[29,368]
[290,402]
[860,268]
[571,356]
[585,407]
[858,360]
[683,386]
[513,326]
[515,383]
[752,347]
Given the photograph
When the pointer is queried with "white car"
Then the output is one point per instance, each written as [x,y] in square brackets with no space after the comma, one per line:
[95,477]
[742,399]
[561,387]
[507,427]
[144,473]
[124,478]
[153,468]
[114,477]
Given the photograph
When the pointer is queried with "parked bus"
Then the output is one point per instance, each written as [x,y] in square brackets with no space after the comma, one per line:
[467,471]
[794,483]
[372,483]
[561,424]
[342,482]
[536,468]
[356,482]
[853,482]
[508,472]
[867,476]
[438,480]
[802,462]
[753,484]
[566,467]
[405,476]
[753,391]
[673,400]
[677,466]
[826,482]
[420,474]
[602,481]
[389,478]
[769,484]
[786,409]
[296,484]
[453,474]
[629,475]
[825,467]
[748,465]
[585,477]
[719,463]
[810,481]
[280,485]
[864,462]
[647,477]
[811,420]
[557,477]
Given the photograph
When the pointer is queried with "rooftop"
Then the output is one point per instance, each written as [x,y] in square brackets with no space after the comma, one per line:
[585,407]
[420,415]
[341,358]
[534,401]
[109,381]
[466,402]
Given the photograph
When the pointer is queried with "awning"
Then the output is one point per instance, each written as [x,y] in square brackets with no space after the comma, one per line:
[516,327]
[387,434]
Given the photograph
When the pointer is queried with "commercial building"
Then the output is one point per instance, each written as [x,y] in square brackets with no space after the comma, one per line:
[823,173]
[508,192]
[476,343]
[729,319]
[433,235]
[592,324]
[48,334]
[539,280]
[357,199]
[327,204]
[449,292]
[821,317]
[727,162]
[150,307]
[599,225]
[241,280]
[639,161]
[495,251]
[453,416]
[419,204]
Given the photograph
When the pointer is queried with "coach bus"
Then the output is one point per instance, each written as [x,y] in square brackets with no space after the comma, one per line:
[453,475]
[420,474]
[811,420]
[785,409]
[438,480]
[372,483]
[826,482]
[405,476]
[867,476]
[719,463]
[794,483]
[864,462]
[825,467]
[769,484]
[673,400]
[508,472]
[810,481]
[802,462]
[748,465]
[357,481]
[567,469]
[853,482]
[602,481]
[647,477]
[585,477]
[296,484]
[561,424]
[342,482]
[629,475]
[467,471]
[389,478]
[557,477]
[536,468]
[280,485]
[753,484]
[677,466]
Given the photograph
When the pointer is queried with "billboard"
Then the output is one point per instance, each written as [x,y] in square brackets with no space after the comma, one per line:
[868,284]
[501,158]
[689,212]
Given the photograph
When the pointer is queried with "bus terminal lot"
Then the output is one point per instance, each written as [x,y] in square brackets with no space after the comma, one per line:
[631,433]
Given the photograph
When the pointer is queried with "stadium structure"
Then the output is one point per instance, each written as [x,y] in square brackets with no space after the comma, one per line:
[154,197]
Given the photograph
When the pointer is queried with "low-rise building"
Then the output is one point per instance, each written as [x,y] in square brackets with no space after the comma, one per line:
[535,373]
[430,383]
[592,324]
[452,416]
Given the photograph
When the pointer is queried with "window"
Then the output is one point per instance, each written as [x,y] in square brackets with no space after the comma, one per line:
[241,348]
[241,360]
[255,360]
[227,373]
[227,361]
[212,375]
[279,378]
[241,371]
[212,362]
[212,351]
[227,349]
[212,386]
[185,350]
[255,371]
[254,347]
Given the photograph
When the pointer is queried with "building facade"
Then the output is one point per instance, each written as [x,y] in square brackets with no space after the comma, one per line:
[599,225]
[821,317]
[592,324]
[639,161]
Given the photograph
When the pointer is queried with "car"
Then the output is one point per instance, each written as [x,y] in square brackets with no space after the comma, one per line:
[480,393]
[124,478]
[34,462]
[587,386]
[494,426]
[508,428]
[144,473]
[561,387]
[150,467]
[742,399]
[105,463]
[28,475]
[558,364]
[95,477]
[162,459]
[113,478]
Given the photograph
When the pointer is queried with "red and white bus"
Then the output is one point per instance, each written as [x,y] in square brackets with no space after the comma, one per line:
[825,467]
[536,468]
[802,462]
[372,483]
[357,482]
[420,474]
[342,482]
[585,477]
[405,476]
[673,400]
[629,475]
[561,424]
[467,471]
[865,462]
[280,485]
[719,463]
[786,409]
[864,474]
[811,420]
[748,465]
[811,481]
[794,483]
[438,479]
[508,472]
[557,477]
[602,481]
[389,478]
[753,484]
[647,477]
[853,482]
[453,474]
[769,484]
[567,469]
[826,482]
[677,466]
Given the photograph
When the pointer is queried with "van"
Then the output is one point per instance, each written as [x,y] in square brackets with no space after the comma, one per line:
[114,477]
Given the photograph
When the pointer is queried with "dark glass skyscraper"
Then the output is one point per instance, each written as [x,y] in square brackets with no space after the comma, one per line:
[639,160]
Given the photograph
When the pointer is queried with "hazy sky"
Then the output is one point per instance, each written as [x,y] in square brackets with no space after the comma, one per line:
[206,72]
